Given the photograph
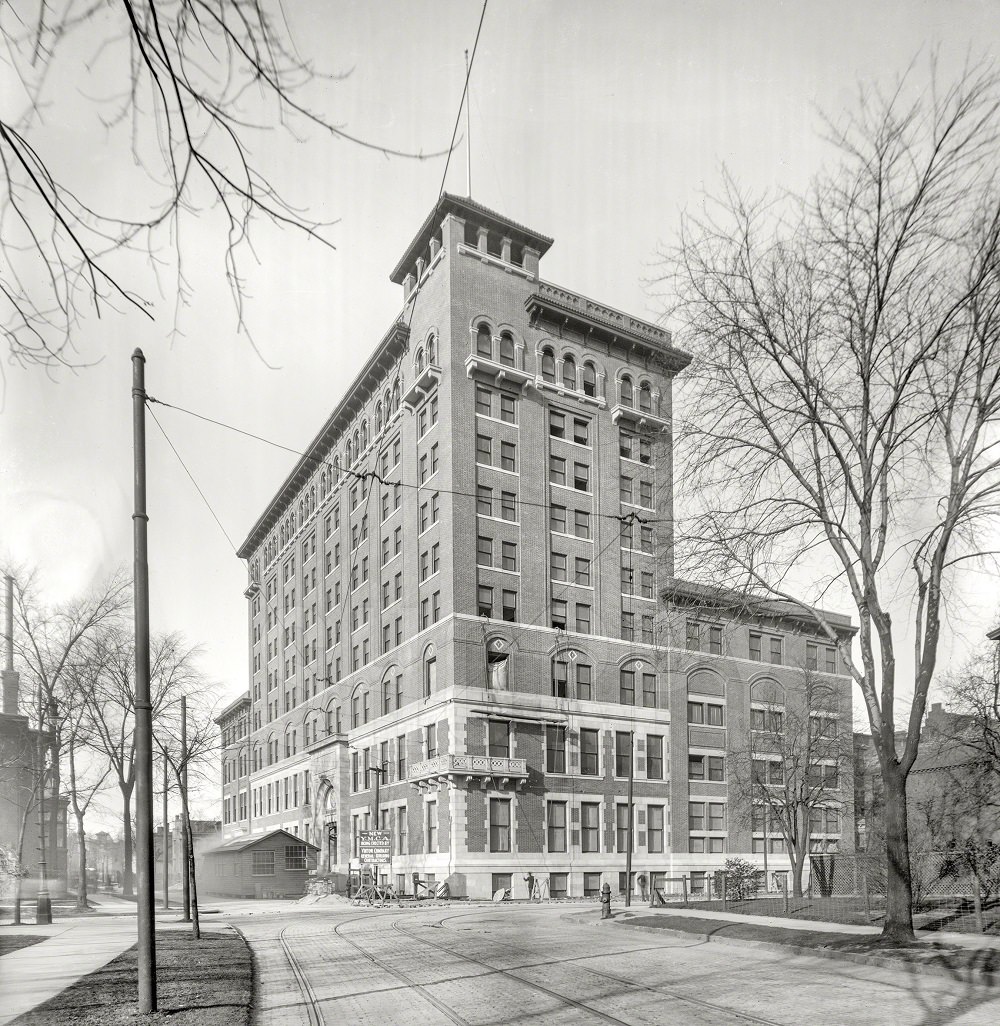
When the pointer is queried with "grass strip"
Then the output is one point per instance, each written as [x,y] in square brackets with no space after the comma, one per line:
[199,983]
[954,958]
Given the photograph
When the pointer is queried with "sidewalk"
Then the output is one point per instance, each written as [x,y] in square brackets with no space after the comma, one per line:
[73,948]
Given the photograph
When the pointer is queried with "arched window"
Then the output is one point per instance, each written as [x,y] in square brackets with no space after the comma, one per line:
[506,349]
[322,484]
[432,350]
[430,671]
[349,454]
[484,341]
[626,390]
[548,365]
[572,676]
[645,398]
[357,444]
[336,470]
[637,684]
[418,362]
[589,379]
[569,373]
[378,416]
[395,397]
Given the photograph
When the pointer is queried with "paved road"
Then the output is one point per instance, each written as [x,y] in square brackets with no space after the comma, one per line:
[480,966]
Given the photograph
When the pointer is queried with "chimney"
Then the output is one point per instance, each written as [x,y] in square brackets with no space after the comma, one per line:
[10,677]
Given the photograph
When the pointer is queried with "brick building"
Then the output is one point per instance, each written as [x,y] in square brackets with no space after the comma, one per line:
[459,584]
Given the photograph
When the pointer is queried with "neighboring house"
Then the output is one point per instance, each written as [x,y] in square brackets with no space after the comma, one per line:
[461,583]
[272,865]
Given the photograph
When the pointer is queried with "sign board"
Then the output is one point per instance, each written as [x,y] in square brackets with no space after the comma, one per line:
[375,847]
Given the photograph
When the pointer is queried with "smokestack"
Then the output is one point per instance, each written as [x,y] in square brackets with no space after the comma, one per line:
[10,677]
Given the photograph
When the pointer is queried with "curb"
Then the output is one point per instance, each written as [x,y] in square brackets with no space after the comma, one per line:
[973,976]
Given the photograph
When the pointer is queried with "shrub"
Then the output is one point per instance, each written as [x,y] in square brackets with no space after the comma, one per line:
[741,879]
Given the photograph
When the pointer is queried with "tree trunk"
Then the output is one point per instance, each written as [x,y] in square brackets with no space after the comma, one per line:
[82,896]
[798,864]
[127,829]
[189,866]
[58,872]
[898,926]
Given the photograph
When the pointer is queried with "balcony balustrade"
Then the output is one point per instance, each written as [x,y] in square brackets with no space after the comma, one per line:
[463,769]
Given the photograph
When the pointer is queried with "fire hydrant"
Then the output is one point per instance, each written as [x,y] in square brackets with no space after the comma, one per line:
[606,901]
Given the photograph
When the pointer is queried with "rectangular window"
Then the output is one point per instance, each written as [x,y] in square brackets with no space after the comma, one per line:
[401,757]
[557,424]
[508,456]
[625,488]
[775,651]
[555,749]
[626,689]
[582,571]
[623,753]
[755,639]
[628,626]
[484,501]
[498,739]
[654,757]
[830,664]
[646,584]
[581,526]
[508,506]
[590,827]
[509,608]
[649,690]
[508,408]
[484,600]
[589,752]
[557,519]
[621,828]
[582,618]
[558,565]
[484,551]
[432,826]
[559,614]
[693,636]
[262,863]
[581,477]
[581,431]
[812,656]
[583,672]
[509,556]
[484,401]
[646,494]
[555,826]
[557,470]
[295,856]
[654,829]
[499,824]
[484,450]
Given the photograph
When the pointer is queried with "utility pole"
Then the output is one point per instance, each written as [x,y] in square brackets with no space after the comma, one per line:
[186,872]
[145,901]
[379,772]
[628,852]
[43,904]
[166,836]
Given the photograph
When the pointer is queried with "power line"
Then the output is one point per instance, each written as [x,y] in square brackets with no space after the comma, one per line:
[371,475]
[193,481]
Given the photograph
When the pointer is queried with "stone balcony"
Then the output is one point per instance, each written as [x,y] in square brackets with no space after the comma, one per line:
[464,769]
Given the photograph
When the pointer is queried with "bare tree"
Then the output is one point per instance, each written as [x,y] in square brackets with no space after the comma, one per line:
[50,642]
[846,394]
[786,775]
[23,782]
[111,709]
[184,92]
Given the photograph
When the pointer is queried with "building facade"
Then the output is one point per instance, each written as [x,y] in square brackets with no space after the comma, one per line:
[456,596]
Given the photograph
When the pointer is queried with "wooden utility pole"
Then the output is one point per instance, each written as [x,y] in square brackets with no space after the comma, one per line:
[145,901]
[43,904]
[186,872]
[166,835]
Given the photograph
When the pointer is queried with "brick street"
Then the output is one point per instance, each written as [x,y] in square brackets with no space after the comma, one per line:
[551,966]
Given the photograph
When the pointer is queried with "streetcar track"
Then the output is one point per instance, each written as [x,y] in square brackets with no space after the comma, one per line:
[316,1017]
[312,1006]
[664,989]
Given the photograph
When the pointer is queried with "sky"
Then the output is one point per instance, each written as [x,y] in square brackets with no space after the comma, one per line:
[597,123]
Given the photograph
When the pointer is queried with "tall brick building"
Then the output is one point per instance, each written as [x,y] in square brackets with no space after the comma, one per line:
[458,583]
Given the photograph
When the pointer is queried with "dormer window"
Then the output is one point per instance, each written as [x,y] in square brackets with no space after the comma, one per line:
[569,373]
[484,341]
[506,350]
[548,366]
